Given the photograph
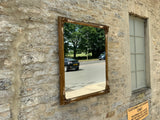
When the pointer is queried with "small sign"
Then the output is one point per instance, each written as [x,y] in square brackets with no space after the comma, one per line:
[138,112]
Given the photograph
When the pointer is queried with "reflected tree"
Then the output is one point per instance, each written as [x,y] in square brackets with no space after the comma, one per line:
[83,39]
[72,37]
[93,40]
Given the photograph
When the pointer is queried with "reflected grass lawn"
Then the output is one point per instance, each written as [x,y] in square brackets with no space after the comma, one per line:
[82,57]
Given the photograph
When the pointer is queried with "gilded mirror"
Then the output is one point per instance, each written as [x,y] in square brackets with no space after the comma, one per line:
[83,60]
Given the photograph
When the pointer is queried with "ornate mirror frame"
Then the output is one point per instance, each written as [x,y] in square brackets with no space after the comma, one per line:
[63,100]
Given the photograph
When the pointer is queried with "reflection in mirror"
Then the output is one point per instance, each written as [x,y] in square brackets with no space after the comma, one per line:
[84,59]
[84,51]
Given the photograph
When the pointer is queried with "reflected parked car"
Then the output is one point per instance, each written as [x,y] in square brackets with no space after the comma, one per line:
[71,64]
[102,56]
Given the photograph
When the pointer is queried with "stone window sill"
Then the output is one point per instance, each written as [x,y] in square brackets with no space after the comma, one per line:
[141,90]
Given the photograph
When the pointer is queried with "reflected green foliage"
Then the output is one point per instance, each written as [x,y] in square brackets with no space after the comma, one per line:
[83,39]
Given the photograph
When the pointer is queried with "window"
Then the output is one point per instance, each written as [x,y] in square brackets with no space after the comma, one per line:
[137,52]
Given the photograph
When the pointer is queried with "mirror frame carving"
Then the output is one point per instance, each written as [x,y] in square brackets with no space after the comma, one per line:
[63,100]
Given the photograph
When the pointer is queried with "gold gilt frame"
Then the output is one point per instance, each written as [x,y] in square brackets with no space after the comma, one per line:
[63,100]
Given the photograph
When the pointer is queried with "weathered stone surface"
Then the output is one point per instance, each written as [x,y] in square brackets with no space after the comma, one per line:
[29,70]
[5,115]
[4,108]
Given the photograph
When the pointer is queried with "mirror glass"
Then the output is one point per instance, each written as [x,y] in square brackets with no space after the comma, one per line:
[84,59]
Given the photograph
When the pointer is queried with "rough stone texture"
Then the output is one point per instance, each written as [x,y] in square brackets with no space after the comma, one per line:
[29,82]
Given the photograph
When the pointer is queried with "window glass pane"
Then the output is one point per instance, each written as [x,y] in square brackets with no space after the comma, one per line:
[140,62]
[132,45]
[133,63]
[139,45]
[131,26]
[137,49]
[139,27]
[133,78]
[141,79]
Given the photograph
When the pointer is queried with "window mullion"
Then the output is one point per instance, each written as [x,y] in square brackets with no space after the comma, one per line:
[135,53]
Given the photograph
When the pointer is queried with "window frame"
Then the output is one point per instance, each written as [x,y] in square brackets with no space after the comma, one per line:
[146,53]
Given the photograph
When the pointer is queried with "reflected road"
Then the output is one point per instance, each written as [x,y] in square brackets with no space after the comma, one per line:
[87,74]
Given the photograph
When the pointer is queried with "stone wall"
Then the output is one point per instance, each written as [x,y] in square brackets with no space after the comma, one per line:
[29,64]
